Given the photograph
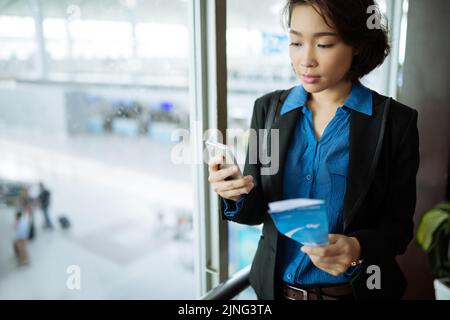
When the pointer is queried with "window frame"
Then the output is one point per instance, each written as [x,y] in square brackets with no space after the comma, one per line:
[208,92]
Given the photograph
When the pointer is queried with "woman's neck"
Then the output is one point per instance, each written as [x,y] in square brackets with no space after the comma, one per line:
[332,97]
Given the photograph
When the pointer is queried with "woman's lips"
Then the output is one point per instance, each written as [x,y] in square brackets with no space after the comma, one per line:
[310,79]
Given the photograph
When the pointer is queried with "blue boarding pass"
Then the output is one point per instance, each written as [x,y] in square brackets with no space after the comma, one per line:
[303,220]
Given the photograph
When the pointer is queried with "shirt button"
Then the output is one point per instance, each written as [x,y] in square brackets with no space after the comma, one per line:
[289,276]
[309,177]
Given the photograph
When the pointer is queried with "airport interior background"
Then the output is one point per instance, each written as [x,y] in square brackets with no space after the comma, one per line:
[90,94]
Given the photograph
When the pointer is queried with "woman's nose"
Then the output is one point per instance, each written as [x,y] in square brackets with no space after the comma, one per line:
[307,59]
[308,64]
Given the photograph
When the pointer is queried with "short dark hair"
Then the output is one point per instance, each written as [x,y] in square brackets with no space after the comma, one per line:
[350,19]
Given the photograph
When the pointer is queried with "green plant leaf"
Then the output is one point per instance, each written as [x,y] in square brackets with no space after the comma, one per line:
[445,206]
[428,225]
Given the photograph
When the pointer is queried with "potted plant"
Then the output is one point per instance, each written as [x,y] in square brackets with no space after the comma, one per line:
[433,236]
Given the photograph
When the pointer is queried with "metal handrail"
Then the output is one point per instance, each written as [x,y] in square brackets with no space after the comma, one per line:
[230,288]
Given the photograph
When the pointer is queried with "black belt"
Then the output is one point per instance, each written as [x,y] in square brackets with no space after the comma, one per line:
[318,292]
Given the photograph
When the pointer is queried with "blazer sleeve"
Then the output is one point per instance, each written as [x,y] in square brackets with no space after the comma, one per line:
[392,236]
[254,206]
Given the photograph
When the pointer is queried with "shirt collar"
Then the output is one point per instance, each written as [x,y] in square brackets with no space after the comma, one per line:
[360,99]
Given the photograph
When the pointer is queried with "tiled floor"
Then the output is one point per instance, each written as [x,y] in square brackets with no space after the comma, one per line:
[117,238]
[122,196]
[110,269]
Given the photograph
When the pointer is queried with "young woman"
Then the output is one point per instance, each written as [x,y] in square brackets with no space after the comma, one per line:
[338,141]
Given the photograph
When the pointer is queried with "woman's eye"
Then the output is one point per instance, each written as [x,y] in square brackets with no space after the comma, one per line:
[325,46]
[295,44]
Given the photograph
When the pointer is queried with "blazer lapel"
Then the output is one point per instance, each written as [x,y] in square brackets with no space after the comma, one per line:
[286,125]
[366,138]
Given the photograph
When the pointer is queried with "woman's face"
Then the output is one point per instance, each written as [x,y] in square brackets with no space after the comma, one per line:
[320,57]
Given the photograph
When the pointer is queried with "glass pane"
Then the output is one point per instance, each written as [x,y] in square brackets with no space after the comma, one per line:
[17,44]
[97,133]
[378,79]
[258,62]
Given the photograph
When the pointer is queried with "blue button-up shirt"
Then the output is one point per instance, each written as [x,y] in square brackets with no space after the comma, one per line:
[317,170]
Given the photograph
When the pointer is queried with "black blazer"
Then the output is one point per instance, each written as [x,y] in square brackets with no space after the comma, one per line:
[379,202]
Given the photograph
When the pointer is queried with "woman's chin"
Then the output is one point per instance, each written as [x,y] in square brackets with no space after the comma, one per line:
[313,88]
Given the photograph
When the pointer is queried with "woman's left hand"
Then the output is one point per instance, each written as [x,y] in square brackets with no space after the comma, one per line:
[337,257]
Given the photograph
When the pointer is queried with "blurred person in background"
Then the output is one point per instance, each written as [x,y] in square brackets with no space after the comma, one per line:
[22,232]
[26,203]
[44,204]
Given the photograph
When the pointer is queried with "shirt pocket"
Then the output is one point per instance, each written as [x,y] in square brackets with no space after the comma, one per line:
[338,171]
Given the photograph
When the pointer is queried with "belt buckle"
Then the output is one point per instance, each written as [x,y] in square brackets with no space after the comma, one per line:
[305,292]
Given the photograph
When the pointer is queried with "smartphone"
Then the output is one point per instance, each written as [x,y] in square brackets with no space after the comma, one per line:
[218,149]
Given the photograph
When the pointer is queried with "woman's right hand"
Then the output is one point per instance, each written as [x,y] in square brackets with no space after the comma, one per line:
[232,189]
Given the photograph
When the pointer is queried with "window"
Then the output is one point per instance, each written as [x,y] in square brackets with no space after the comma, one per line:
[96,128]
[258,62]
[17,44]
[90,94]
